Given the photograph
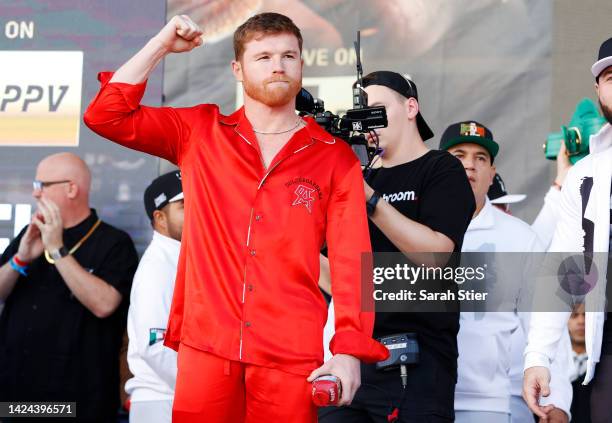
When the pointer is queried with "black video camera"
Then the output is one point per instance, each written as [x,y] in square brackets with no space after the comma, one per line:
[357,121]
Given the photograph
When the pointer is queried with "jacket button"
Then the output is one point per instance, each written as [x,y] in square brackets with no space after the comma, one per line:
[248,324]
[252,252]
[258,217]
[250,287]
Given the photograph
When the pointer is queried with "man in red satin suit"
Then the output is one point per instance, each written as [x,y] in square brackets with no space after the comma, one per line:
[264,189]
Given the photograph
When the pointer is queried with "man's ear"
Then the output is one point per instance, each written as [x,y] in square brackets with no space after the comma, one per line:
[493,172]
[237,70]
[159,220]
[73,190]
[412,108]
[597,89]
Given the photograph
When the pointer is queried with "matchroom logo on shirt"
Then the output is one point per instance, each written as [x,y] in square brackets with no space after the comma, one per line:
[400,196]
[40,98]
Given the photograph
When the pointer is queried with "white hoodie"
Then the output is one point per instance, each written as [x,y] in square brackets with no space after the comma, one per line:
[545,223]
[491,343]
[547,328]
[152,364]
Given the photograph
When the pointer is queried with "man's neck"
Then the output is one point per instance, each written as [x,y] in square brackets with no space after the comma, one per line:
[164,233]
[579,348]
[76,216]
[269,119]
[480,203]
[410,148]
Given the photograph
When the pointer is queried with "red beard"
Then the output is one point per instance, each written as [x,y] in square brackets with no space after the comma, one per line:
[273,94]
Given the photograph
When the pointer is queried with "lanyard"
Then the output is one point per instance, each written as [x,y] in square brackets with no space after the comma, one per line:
[78,244]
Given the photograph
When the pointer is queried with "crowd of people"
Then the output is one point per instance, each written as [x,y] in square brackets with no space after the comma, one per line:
[267,217]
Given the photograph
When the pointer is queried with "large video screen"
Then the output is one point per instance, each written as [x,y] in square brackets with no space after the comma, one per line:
[50,54]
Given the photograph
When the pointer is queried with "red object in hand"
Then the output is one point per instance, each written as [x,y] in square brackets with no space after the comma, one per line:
[326,390]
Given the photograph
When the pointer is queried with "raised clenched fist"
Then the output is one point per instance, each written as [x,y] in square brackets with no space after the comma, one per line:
[180,34]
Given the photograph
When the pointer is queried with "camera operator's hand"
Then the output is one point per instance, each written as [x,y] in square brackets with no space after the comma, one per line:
[179,35]
[347,369]
[563,166]
[369,191]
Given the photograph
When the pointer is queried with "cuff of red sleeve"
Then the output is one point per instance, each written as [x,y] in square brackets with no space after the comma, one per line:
[132,93]
[358,345]
[172,344]
[105,77]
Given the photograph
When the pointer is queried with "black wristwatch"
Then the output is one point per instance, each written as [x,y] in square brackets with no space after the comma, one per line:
[372,202]
[59,253]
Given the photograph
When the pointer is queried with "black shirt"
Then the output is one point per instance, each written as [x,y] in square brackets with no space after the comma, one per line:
[432,190]
[581,401]
[52,348]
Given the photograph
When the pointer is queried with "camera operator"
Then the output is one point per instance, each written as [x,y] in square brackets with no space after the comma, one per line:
[419,200]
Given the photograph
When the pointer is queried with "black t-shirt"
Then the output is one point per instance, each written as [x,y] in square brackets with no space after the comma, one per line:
[52,348]
[432,190]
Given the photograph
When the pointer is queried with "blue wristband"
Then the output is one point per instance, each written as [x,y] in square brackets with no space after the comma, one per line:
[20,269]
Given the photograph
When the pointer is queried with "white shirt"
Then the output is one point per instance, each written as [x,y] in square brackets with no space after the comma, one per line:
[491,345]
[546,329]
[152,364]
[546,221]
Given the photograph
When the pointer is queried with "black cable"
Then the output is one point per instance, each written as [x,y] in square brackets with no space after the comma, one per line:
[367,170]
[387,397]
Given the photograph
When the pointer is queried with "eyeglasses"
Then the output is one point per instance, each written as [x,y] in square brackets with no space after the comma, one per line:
[39,185]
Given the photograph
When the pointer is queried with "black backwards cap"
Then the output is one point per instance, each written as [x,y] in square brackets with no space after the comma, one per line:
[164,189]
[402,86]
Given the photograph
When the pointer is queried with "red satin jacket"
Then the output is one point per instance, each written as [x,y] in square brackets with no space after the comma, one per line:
[246,287]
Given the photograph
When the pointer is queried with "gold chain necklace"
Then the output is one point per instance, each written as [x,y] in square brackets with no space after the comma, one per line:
[299,121]
[78,244]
